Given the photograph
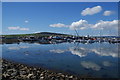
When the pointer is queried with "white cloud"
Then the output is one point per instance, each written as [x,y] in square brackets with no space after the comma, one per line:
[14,28]
[24,29]
[90,65]
[18,28]
[81,24]
[107,13]
[26,21]
[106,25]
[58,25]
[91,11]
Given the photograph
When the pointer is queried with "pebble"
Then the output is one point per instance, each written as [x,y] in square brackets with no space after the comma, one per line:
[29,75]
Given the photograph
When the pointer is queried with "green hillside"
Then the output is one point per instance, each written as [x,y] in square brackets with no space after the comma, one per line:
[41,34]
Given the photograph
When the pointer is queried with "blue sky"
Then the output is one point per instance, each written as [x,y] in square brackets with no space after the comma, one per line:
[30,17]
[60,0]
[1,18]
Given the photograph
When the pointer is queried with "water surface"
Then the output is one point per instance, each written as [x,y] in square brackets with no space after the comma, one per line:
[96,60]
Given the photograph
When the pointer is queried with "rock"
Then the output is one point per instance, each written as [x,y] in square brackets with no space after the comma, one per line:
[22,72]
[41,74]
[5,74]
[14,73]
[70,76]
[29,75]
[41,77]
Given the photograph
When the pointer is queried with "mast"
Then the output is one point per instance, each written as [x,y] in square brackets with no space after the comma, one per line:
[76,32]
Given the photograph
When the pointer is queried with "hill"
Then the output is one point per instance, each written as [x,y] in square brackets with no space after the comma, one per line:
[37,34]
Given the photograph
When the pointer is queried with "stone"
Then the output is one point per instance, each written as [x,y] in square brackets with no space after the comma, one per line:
[70,76]
[29,75]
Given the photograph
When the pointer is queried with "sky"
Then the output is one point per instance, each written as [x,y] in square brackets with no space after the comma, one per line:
[0,18]
[60,0]
[92,18]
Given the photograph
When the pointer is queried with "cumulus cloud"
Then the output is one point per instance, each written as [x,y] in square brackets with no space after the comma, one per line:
[107,13]
[90,65]
[14,28]
[91,11]
[81,24]
[24,29]
[18,28]
[58,25]
[106,25]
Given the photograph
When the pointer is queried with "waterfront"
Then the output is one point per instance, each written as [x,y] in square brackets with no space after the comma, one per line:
[99,60]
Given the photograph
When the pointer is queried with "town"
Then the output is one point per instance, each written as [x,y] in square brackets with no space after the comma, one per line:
[59,38]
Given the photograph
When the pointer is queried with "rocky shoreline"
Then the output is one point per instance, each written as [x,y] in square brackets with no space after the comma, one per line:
[16,71]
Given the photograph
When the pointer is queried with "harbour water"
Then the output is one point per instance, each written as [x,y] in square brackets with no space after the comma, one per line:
[98,60]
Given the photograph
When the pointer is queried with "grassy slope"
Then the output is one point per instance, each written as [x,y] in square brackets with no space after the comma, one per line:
[42,34]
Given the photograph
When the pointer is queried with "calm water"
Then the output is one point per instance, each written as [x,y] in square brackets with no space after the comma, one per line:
[97,60]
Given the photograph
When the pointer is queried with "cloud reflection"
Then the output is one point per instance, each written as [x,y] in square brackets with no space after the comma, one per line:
[57,51]
[13,48]
[107,63]
[90,65]
[81,52]
[106,52]
[17,48]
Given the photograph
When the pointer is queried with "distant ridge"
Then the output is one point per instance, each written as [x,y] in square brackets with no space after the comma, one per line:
[50,33]
[38,34]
